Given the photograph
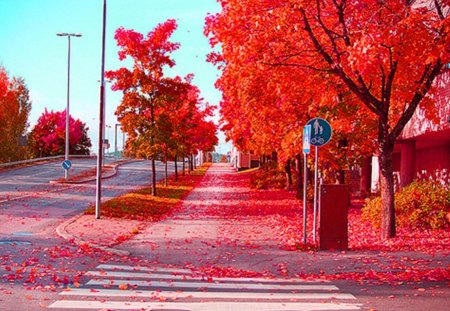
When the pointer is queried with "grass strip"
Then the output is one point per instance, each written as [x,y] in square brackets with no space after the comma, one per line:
[141,205]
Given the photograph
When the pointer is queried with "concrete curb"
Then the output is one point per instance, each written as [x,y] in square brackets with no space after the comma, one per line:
[114,173]
[62,232]
[89,179]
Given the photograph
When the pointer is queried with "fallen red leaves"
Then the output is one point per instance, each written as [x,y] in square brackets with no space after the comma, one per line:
[254,217]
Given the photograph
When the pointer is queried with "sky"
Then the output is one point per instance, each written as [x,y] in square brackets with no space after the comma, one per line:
[30,48]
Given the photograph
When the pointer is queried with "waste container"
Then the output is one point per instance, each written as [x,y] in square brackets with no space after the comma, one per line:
[333,217]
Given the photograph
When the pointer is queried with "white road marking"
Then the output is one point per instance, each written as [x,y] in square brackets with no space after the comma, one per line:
[138,269]
[206,286]
[161,276]
[117,287]
[202,295]
[203,306]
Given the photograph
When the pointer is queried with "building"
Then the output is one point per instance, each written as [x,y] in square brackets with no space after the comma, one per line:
[243,160]
[423,148]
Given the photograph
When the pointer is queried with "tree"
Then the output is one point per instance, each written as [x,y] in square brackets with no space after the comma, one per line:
[48,136]
[386,54]
[144,87]
[15,107]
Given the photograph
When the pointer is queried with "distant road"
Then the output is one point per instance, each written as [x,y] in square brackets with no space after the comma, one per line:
[26,193]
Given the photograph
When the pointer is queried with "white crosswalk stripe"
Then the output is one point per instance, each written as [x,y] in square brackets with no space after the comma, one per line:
[117,287]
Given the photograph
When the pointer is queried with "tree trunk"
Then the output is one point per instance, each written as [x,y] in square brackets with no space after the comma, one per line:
[387,182]
[165,168]
[184,165]
[152,142]
[176,167]
[341,177]
[298,170]
[275,157]
[153,177]
[287,169]
[366,174]
[191,162]
[342,145]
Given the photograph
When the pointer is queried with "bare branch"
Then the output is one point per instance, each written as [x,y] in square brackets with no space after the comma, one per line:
[428,77]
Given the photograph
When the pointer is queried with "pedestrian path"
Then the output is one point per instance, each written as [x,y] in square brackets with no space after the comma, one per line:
[120,287]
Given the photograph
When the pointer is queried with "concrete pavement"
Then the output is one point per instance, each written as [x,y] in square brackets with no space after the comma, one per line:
[199,237]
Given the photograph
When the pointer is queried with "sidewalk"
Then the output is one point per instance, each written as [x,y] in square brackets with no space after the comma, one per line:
[225,228]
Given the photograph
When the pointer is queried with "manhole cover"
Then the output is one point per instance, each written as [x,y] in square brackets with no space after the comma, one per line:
[10,242]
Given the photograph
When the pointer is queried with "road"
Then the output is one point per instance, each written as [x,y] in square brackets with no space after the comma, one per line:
[31,208]
[30,205]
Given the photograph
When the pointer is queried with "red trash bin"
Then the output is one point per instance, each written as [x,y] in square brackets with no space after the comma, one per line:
[333,217]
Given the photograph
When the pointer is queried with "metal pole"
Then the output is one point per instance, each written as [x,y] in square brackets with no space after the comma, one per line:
[115,140]
[98,194]
[315,193]
[66,147]
[66,155]
[305,183]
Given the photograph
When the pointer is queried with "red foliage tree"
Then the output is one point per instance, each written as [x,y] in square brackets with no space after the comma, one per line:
[15,107]
[154,108]
[48,135]
[382,55]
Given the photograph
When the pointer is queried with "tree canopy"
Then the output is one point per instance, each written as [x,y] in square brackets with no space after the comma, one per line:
[364,65]
[15,107]
[156,111]
[48,136]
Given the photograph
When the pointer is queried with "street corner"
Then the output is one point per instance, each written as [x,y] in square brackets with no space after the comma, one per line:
[104,233]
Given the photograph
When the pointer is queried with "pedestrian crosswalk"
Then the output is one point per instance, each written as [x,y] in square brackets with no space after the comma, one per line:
[120,287]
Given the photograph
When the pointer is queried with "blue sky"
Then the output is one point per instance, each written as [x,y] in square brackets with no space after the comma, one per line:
[29,48]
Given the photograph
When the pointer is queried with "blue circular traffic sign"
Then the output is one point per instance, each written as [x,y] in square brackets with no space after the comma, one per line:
[67,164]
[320,131]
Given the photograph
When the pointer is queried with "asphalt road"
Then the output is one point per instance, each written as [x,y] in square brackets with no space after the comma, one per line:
[26,193]
[30,210]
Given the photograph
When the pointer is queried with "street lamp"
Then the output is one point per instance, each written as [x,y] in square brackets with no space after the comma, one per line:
[115,139]
[68,35]
[107,140]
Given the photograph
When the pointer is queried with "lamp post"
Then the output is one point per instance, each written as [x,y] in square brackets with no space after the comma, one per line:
[66,155]
[115,139]
[98,188]
[108,138]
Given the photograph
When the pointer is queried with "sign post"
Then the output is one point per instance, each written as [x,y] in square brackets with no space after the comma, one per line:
[320,135]
[306,150]
[67,164]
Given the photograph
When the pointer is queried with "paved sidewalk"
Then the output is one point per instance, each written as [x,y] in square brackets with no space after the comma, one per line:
[200,236]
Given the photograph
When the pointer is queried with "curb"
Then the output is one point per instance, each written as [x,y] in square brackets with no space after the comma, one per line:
[89,179]
[62,232]
[114,173]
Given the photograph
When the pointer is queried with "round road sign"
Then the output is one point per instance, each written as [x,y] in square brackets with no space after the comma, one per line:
[67,164]
[320,131]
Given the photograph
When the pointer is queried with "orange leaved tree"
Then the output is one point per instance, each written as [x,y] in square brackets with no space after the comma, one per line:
[386,54]
[144,86]
[15,107]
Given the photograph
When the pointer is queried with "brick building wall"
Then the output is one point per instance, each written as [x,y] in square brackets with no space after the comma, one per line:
[423,149]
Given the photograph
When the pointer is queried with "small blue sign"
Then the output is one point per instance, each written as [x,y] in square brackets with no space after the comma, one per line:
[320,131]
[307,139]
[67,164]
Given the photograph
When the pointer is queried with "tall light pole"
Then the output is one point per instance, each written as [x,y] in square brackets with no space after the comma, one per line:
[98,190]
[68,35]
[115,139]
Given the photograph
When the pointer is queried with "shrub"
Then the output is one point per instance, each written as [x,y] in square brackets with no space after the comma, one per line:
[422,204]
[268,177]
